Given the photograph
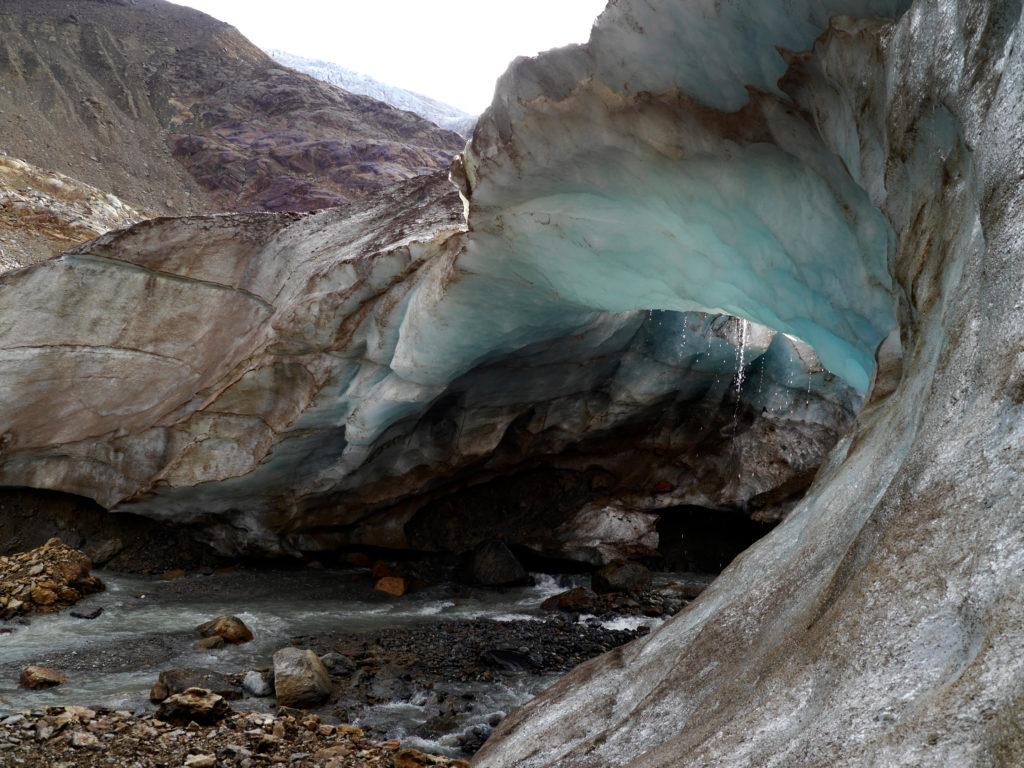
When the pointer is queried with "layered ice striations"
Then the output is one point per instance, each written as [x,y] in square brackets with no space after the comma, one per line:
[330,366]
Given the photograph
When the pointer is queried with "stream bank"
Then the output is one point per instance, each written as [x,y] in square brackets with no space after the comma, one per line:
[436,669]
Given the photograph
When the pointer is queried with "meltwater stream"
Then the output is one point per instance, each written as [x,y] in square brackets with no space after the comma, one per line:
[148,626]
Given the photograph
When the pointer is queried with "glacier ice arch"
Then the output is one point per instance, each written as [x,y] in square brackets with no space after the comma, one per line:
[666,165]
[204,366]
[669,178]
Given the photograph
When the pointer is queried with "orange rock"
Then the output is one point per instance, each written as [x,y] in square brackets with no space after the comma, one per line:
[391,585]
[210,643]
[69,595]
[231,628]
[338,750]
[381,570]
[43,596]
[40,677]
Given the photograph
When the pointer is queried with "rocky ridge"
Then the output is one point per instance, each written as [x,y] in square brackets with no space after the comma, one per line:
[437,112]
[176,113]
[43,214]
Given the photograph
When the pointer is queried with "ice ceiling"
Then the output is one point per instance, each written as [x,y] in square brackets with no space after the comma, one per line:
[644,171]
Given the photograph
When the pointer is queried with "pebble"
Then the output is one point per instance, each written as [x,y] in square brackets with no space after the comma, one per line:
[128,740]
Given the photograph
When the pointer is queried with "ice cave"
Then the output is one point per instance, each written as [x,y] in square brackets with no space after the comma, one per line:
[737,258]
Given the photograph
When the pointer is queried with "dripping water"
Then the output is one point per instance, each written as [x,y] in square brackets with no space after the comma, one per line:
[741,372]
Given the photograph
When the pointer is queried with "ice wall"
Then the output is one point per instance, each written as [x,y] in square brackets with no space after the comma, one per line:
[280,376]
[880,624]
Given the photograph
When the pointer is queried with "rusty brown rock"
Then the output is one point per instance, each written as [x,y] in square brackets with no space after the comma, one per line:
[194,705]
[35,678]
[231,628]
[395,586]
[46,579]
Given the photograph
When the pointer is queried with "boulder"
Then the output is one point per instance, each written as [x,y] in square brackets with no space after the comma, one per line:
[176,681]
[259,683]
[209,643]
[578,600]
[231,628]
[300,679]
[395,586]
[102,552]
[194,705]
[493,564]
[631,578]
[338,664]
[34,678]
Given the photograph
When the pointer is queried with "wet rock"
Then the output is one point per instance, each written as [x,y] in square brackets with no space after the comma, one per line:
[231,628]
[35,678]
[176,681]
[473,738]
[338,664]
[258,683]
[493,564]
[95,613]
[209,643]
[395,586]
[577,600]
[631,578]
[194,705]
[104,551]
[512,659]
[300,679]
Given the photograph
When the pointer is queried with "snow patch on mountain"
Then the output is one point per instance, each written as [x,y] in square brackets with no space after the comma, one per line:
[439,113]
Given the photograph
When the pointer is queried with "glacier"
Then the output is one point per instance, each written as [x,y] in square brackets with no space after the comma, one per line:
[833,187]
[437,112]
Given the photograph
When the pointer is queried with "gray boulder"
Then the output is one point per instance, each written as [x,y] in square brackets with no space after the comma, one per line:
[492,564]
[300,679]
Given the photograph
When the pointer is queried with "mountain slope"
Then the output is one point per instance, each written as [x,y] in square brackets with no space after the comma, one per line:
[437,112]
[44,213]
[176,112]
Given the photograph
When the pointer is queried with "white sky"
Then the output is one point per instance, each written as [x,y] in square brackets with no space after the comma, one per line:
[451,50]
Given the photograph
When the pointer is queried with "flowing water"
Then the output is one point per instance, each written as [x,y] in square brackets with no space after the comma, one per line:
[148,625]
